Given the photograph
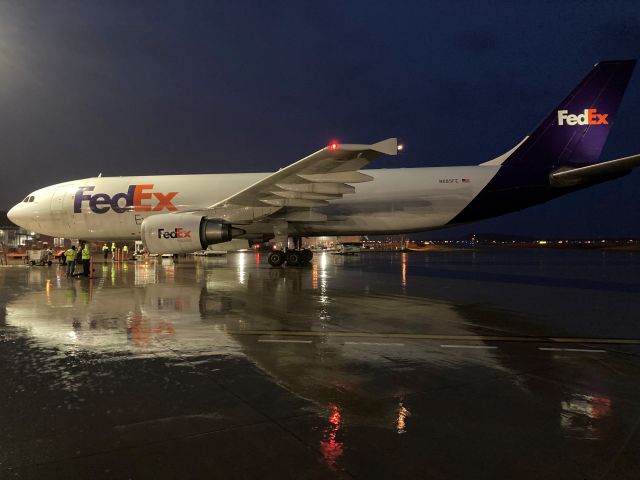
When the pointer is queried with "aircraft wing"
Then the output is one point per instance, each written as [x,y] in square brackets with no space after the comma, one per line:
[604,170]
[311,182]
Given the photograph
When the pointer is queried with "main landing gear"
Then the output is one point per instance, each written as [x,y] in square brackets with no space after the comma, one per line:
[293,256]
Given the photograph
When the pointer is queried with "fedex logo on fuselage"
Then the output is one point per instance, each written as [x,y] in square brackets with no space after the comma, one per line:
[590,116]
[138,198]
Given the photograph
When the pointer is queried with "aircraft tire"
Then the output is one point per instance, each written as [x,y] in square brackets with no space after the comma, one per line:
[276,258]
[294,258]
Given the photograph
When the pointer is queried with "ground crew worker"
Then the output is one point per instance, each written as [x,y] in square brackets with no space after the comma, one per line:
[70,255]
[86,260]
[105,251]
[125,252]
[113,251]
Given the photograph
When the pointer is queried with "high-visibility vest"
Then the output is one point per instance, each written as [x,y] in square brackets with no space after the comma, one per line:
[125,249]
[113,246]
[70,254]
[86,253]
[104,247]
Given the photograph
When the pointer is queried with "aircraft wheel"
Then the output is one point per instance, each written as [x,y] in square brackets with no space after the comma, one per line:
[276,258]
[294,258]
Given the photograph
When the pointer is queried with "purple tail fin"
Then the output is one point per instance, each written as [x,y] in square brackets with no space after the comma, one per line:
[574,133]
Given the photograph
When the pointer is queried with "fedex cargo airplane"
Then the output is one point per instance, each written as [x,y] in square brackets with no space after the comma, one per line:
[327,194]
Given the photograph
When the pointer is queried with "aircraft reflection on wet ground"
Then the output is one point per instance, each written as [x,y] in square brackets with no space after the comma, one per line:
[473,365]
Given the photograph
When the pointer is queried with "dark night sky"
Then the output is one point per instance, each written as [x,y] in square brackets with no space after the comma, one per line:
[202,87]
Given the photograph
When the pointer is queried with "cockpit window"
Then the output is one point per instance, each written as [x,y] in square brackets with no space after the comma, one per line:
[25,200]
[29,199]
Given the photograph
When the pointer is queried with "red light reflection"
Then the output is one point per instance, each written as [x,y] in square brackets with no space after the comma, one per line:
[600,407]
[141,331]
[331,448]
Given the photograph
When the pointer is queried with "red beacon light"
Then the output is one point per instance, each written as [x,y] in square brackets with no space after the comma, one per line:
[333,146]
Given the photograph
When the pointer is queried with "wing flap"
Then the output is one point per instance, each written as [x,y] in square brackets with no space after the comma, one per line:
[350,165]
[317,187]
[305,195]
[304,216]
[338,177]
[294,202]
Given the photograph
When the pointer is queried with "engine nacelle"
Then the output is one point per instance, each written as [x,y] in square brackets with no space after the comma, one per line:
[184,233]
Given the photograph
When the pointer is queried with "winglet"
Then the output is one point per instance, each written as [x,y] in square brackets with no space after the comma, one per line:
[388,146]
[385,147]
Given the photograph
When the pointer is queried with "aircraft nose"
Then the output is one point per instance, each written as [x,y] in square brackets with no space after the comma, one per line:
[11,213]
[14,215]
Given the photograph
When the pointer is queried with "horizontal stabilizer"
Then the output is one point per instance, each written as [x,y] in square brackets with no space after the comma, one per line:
[590,173]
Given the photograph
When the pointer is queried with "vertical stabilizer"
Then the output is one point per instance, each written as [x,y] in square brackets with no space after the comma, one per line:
[575,132]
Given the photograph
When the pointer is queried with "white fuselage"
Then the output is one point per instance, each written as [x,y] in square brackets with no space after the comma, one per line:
[396,201]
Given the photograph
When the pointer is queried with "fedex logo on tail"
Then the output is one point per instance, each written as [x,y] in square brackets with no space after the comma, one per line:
[137,198]
[590,116]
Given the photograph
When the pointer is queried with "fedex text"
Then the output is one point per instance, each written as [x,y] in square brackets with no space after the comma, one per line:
[137,198]
[177,232]
[590,116]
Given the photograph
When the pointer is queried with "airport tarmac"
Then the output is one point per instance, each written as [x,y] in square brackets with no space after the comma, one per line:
[484,365]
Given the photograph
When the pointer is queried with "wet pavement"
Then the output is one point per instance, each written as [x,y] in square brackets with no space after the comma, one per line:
[488,364]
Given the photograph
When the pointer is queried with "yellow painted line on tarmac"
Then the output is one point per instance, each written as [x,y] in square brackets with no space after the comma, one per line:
[428,336]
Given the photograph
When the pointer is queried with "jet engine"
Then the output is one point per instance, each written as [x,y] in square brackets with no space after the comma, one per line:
[184,233]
